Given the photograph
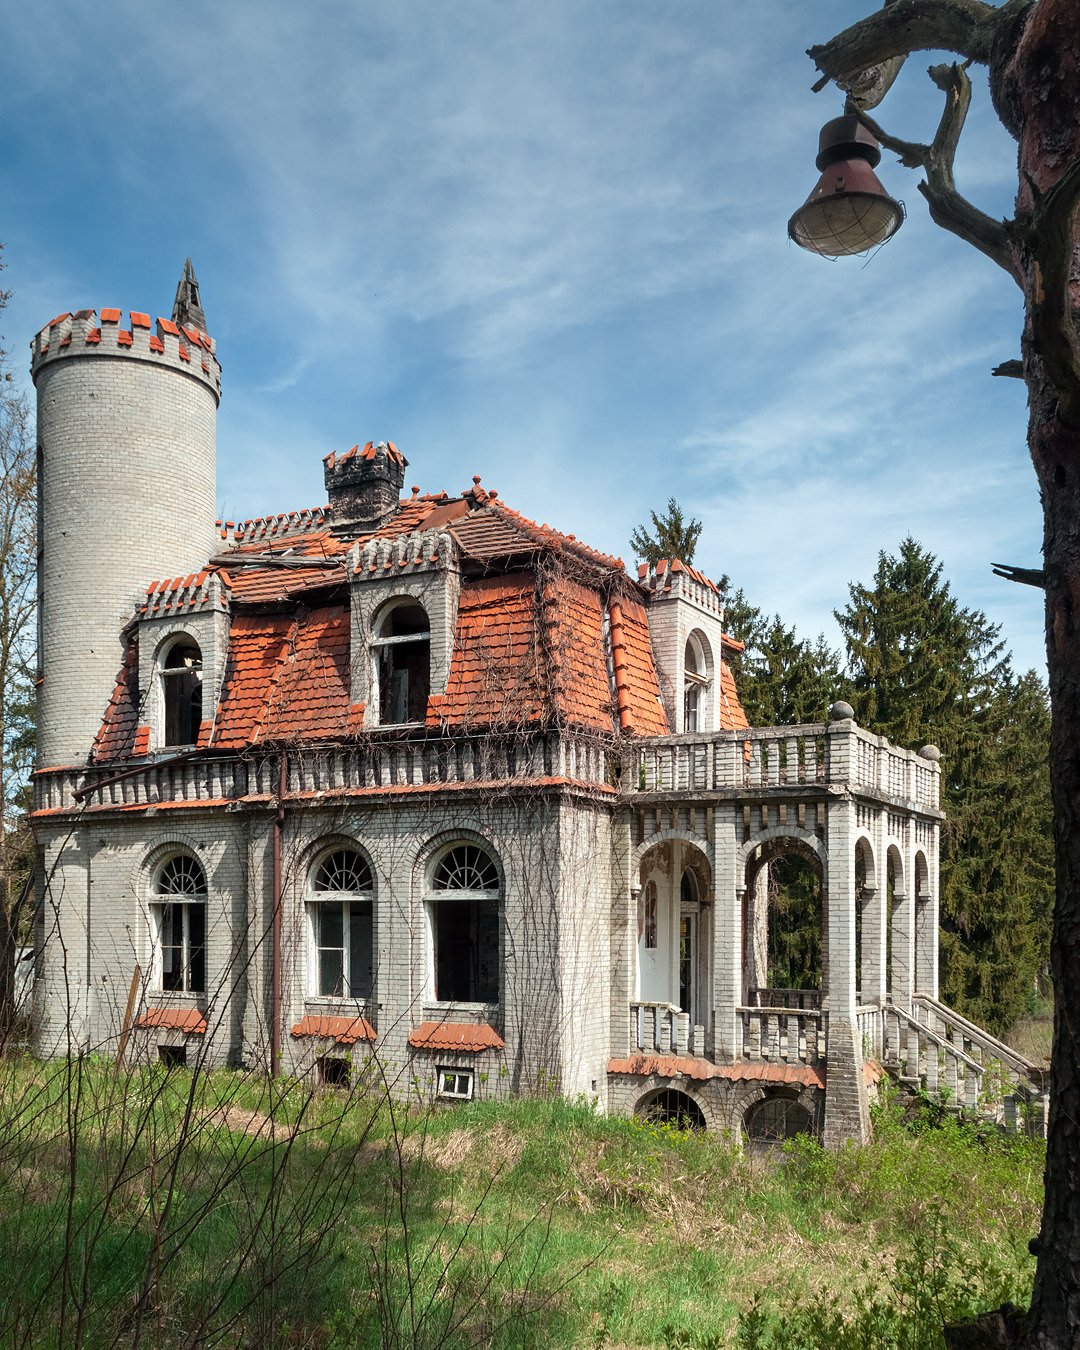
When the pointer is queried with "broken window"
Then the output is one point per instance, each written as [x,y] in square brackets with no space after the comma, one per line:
[695,682]
[342,922]
[464,908]
[181,682]
[402,655]
[775,1118]
[455,1083]
[179,913]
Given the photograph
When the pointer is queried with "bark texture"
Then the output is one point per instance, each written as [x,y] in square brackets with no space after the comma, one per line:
[1032,48]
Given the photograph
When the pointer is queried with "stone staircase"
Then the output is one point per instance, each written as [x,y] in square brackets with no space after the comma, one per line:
[936,1050]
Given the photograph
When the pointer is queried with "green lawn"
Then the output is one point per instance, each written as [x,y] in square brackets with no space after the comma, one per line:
[178,1210]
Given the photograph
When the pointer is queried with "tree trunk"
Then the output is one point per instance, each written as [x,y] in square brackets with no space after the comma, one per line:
[1036,88]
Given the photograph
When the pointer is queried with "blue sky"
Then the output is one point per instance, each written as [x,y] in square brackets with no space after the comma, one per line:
[544,244]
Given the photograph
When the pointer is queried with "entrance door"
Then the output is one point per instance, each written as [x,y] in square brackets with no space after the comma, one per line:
[688,925]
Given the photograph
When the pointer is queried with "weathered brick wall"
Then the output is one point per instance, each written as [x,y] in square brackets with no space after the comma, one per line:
[127,439]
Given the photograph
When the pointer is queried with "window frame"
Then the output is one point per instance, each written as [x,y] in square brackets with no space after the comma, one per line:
[384,649]
[180,906]
[318,902]
[697,678]
[480,949]
[464,1083]
[181,692]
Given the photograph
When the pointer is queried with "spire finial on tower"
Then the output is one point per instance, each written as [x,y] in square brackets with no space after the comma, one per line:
[187,307]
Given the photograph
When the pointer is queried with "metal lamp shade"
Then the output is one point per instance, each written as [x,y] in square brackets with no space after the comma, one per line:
[847,212]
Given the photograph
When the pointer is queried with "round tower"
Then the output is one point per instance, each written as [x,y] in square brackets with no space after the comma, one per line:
[126,424]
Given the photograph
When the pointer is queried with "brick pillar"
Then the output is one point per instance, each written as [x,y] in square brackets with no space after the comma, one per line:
[727,933]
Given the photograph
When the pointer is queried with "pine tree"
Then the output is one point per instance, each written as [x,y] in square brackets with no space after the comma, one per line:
[923,668]
[782,679]
[674,537]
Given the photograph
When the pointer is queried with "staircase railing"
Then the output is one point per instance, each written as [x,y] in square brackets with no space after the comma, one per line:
[952,1058]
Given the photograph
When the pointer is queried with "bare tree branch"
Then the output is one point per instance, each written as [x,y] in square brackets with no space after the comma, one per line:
[948,208]
[967,27]
[1050,235]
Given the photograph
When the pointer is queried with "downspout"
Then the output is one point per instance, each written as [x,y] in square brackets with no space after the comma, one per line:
[275,955]
[618,666]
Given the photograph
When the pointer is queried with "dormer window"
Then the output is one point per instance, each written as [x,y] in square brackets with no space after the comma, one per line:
[695,683]
[181,685]
[402,659]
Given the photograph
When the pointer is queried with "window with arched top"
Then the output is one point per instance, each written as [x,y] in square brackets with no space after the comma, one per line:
[178,909]
[401,650]
[695,683]
[181,686]
[341,917]
[463,903]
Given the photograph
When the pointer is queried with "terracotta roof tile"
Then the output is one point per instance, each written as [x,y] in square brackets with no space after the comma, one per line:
[344,1030]
[645,715]
[732,717]
[676,1066]
[189,1020]
[116,738]
[465,1036]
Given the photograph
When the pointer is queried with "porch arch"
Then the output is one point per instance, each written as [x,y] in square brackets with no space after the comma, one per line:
[758,924]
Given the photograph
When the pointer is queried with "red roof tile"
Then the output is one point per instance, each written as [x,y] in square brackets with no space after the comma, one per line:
[116,738]
[732,717]
[677,1066]
[344,1030]
[645,715]
[189,1020]
[466,1036]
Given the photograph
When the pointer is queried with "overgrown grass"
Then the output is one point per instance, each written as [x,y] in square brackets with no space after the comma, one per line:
[222,1210]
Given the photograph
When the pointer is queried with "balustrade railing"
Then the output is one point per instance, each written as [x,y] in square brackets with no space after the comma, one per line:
[784,998]
[771,757]
[662,1028]
[780,1035]
[372,765]
[954,1059]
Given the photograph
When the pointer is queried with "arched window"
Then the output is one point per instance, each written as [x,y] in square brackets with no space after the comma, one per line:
[775,1118]
[179,914]
[402,656]
[695,683]
[181,684]
[340,912]
[463,902]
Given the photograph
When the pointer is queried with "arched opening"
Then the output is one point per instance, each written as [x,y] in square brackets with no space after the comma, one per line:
[785,921]
[925,938]
[181,683]
[463,904]
[774,1119]
[401,651]
[671,1107]
[341,915]
[697,662]
[673,932]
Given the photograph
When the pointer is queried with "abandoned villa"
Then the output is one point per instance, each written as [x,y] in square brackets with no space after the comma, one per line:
[413,779]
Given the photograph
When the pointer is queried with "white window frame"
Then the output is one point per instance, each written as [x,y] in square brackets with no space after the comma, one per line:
[454,1083]
[437,895]
[696,682]
[321,900]
[381,644]
[187,871]
[168,679]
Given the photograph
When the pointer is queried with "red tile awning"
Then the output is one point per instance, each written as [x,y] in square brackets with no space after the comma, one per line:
[189,1020]
[470,1036]
[344,1030]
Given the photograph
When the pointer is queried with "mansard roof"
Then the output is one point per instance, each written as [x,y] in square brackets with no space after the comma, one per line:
[548,630]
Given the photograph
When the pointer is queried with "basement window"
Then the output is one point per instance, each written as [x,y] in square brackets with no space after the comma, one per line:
[172,1056]
[456,1084]
[333,1071]
[401,651]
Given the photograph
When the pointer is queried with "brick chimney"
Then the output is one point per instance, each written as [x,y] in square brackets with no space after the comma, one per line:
[364,486]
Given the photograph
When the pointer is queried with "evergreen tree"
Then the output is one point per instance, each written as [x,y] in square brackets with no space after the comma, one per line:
[673,537]
[923,668]
[782,679]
